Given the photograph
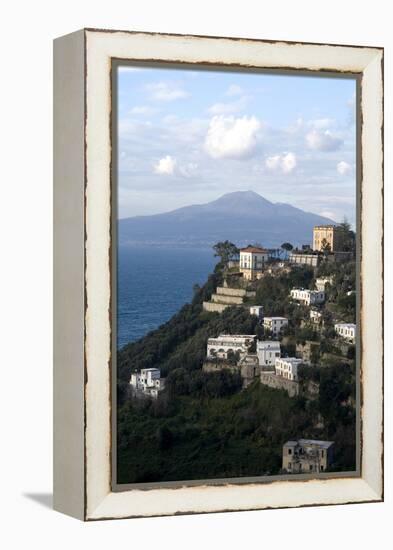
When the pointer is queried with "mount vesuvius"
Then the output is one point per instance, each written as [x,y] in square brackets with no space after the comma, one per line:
[242,217]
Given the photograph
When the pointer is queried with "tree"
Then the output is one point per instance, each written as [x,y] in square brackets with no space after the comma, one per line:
[325,247]
[287,246]
[348,237]
[164,437]
[225,250]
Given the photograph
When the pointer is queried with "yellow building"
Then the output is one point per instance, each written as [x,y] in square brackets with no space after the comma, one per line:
[330,234]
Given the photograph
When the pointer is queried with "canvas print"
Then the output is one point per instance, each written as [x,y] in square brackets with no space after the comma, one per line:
[237,323]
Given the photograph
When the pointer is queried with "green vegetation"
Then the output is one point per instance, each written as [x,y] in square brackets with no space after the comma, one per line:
[225,251]
[202,426]
[201,436]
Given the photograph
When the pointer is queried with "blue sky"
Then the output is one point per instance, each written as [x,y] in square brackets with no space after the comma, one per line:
[188,137]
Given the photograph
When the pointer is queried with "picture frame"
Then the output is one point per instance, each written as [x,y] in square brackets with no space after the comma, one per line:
[84,281]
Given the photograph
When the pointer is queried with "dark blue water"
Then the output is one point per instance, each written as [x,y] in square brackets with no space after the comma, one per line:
[153,284]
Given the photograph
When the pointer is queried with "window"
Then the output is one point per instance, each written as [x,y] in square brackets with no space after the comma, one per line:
[321,468]
[289,451]
[289,465]
[311,468]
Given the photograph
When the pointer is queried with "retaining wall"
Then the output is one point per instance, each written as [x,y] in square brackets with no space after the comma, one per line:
[280,383]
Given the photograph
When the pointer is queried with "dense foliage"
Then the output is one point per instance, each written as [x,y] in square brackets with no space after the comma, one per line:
[202,426]
[199,437]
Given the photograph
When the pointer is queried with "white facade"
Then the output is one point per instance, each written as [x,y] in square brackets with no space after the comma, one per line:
[315,316]
[287,367]
[252,261]
[268,351]
[321,282]
[148,382]
[308,297]
[226,343]
[346,330]
[257,311]
[275,324]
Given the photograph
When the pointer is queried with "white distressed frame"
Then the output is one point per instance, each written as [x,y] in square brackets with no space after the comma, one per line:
[99,502]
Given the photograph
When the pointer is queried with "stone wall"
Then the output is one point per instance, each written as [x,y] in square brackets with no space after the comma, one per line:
[214,308]
[221,299]
[231,291]
[226,291]
[280,383]
[215,366]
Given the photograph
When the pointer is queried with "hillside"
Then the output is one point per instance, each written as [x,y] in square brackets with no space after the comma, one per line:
[203,426]
[234,216]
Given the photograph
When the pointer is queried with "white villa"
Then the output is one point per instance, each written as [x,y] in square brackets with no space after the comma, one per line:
[268,351]
[252,261]
[287,367]
[321,282]
[347,331]
[315,316]
[275,324]
[308,297]
[147,382]
[226,343]
[257,311]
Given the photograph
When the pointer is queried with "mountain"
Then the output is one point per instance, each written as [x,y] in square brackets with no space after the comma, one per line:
[242,217]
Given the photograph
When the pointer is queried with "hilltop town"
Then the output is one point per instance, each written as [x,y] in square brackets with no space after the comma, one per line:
[267,321]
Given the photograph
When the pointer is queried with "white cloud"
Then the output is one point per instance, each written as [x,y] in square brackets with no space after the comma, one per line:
[321,123]
[288,162]
[273,163]
[234,89]
[343,168]
[165,166]
[188,170]
[296,126]
[164,91]
[323,141]
[328,214]
[230,137]
[285,163]
[169,166]
[229,107]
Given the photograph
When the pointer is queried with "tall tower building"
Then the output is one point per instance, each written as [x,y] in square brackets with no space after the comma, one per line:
[331,234]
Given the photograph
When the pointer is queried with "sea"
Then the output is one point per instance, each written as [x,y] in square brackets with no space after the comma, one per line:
[153,283]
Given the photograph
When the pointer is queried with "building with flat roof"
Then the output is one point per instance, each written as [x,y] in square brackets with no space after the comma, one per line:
[328,235]
[252,261]
[321,282]
[302,456]
[308,297]
[268,351]
[275,324]
[301,258]
[147,382]
[287,367]
[257,311]
[346,331]
[315,316]
[226,344]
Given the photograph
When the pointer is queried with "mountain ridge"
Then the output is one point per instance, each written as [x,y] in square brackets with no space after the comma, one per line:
[239,216]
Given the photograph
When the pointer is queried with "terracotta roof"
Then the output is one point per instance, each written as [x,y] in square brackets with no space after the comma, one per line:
[254,249]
